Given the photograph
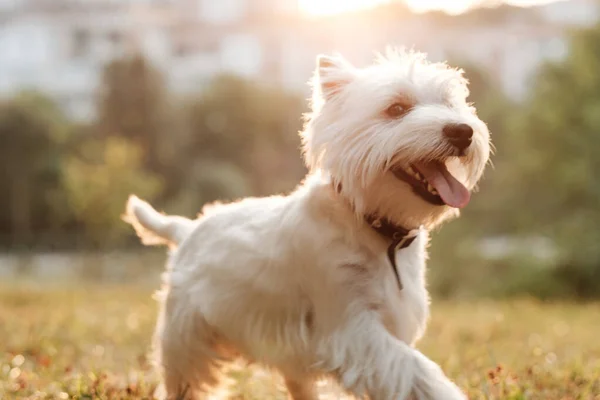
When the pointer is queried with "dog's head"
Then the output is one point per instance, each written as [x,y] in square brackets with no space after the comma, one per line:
[398,137]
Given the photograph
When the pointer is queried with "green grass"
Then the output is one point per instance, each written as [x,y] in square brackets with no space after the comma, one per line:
[89,342]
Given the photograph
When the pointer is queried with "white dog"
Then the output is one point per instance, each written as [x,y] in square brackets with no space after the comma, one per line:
[330,280]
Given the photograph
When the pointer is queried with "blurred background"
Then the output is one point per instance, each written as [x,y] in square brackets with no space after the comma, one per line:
[184,102]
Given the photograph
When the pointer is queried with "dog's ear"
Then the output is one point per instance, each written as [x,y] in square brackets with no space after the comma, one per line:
[332,74]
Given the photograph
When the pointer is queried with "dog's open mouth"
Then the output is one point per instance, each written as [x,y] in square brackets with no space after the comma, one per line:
[434,183]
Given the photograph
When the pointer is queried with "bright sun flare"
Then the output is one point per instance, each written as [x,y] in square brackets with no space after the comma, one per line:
[451,6]
[328,7]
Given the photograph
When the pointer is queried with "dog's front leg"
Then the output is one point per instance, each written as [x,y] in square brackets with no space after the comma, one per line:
[301,389]
[367,359]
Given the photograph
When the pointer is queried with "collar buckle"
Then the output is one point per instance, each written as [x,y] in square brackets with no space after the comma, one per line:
[401,238]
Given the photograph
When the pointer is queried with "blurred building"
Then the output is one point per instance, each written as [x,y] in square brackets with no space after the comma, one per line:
[509,42]
[60,46]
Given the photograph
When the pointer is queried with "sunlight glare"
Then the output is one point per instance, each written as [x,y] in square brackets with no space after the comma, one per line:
[450,6]
[329,7]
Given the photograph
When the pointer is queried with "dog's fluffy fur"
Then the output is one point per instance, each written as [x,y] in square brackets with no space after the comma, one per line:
[301,283]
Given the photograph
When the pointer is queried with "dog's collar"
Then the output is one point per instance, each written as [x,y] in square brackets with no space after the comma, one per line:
[400,236]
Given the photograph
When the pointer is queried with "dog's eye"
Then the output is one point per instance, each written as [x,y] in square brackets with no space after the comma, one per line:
[397,110]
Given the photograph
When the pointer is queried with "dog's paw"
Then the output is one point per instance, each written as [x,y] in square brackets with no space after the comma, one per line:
[444,390]
[160,393]
[433,384]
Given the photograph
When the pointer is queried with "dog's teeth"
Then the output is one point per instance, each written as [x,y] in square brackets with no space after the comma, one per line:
[430,188]
[419,176]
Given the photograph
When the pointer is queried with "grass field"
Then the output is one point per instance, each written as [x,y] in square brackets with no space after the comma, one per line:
[88,342]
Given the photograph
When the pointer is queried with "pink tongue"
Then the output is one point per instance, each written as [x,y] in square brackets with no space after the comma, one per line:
[454,193]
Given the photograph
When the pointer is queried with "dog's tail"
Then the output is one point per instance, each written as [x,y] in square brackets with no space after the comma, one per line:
[155,228]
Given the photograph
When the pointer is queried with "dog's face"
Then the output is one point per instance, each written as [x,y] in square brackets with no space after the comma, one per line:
[399,136]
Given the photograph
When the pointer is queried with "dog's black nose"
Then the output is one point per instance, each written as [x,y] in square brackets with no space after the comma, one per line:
[459,135]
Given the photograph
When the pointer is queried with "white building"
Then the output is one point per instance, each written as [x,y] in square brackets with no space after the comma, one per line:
[511,49]
[60,46]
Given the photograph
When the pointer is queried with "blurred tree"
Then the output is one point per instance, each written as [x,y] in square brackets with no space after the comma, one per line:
[32,130]
[454,261]
[558,159]
[250,132]
[487,214]
[546,185]
[233,139]
[99,180]
[134,104]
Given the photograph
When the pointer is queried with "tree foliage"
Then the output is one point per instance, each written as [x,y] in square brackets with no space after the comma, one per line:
[64,182]
[134,103]
[544,188]
[557,170]
[99,180]
[241,138]
[32,130]
[236,138]
[250,126]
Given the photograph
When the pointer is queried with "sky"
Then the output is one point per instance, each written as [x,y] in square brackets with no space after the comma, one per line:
[328,7]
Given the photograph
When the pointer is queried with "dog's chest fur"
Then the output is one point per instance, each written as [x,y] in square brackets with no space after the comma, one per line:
[278,276]
[365,269]
[406,311]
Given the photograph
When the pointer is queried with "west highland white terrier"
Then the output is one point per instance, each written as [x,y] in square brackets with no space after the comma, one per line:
[328,281]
